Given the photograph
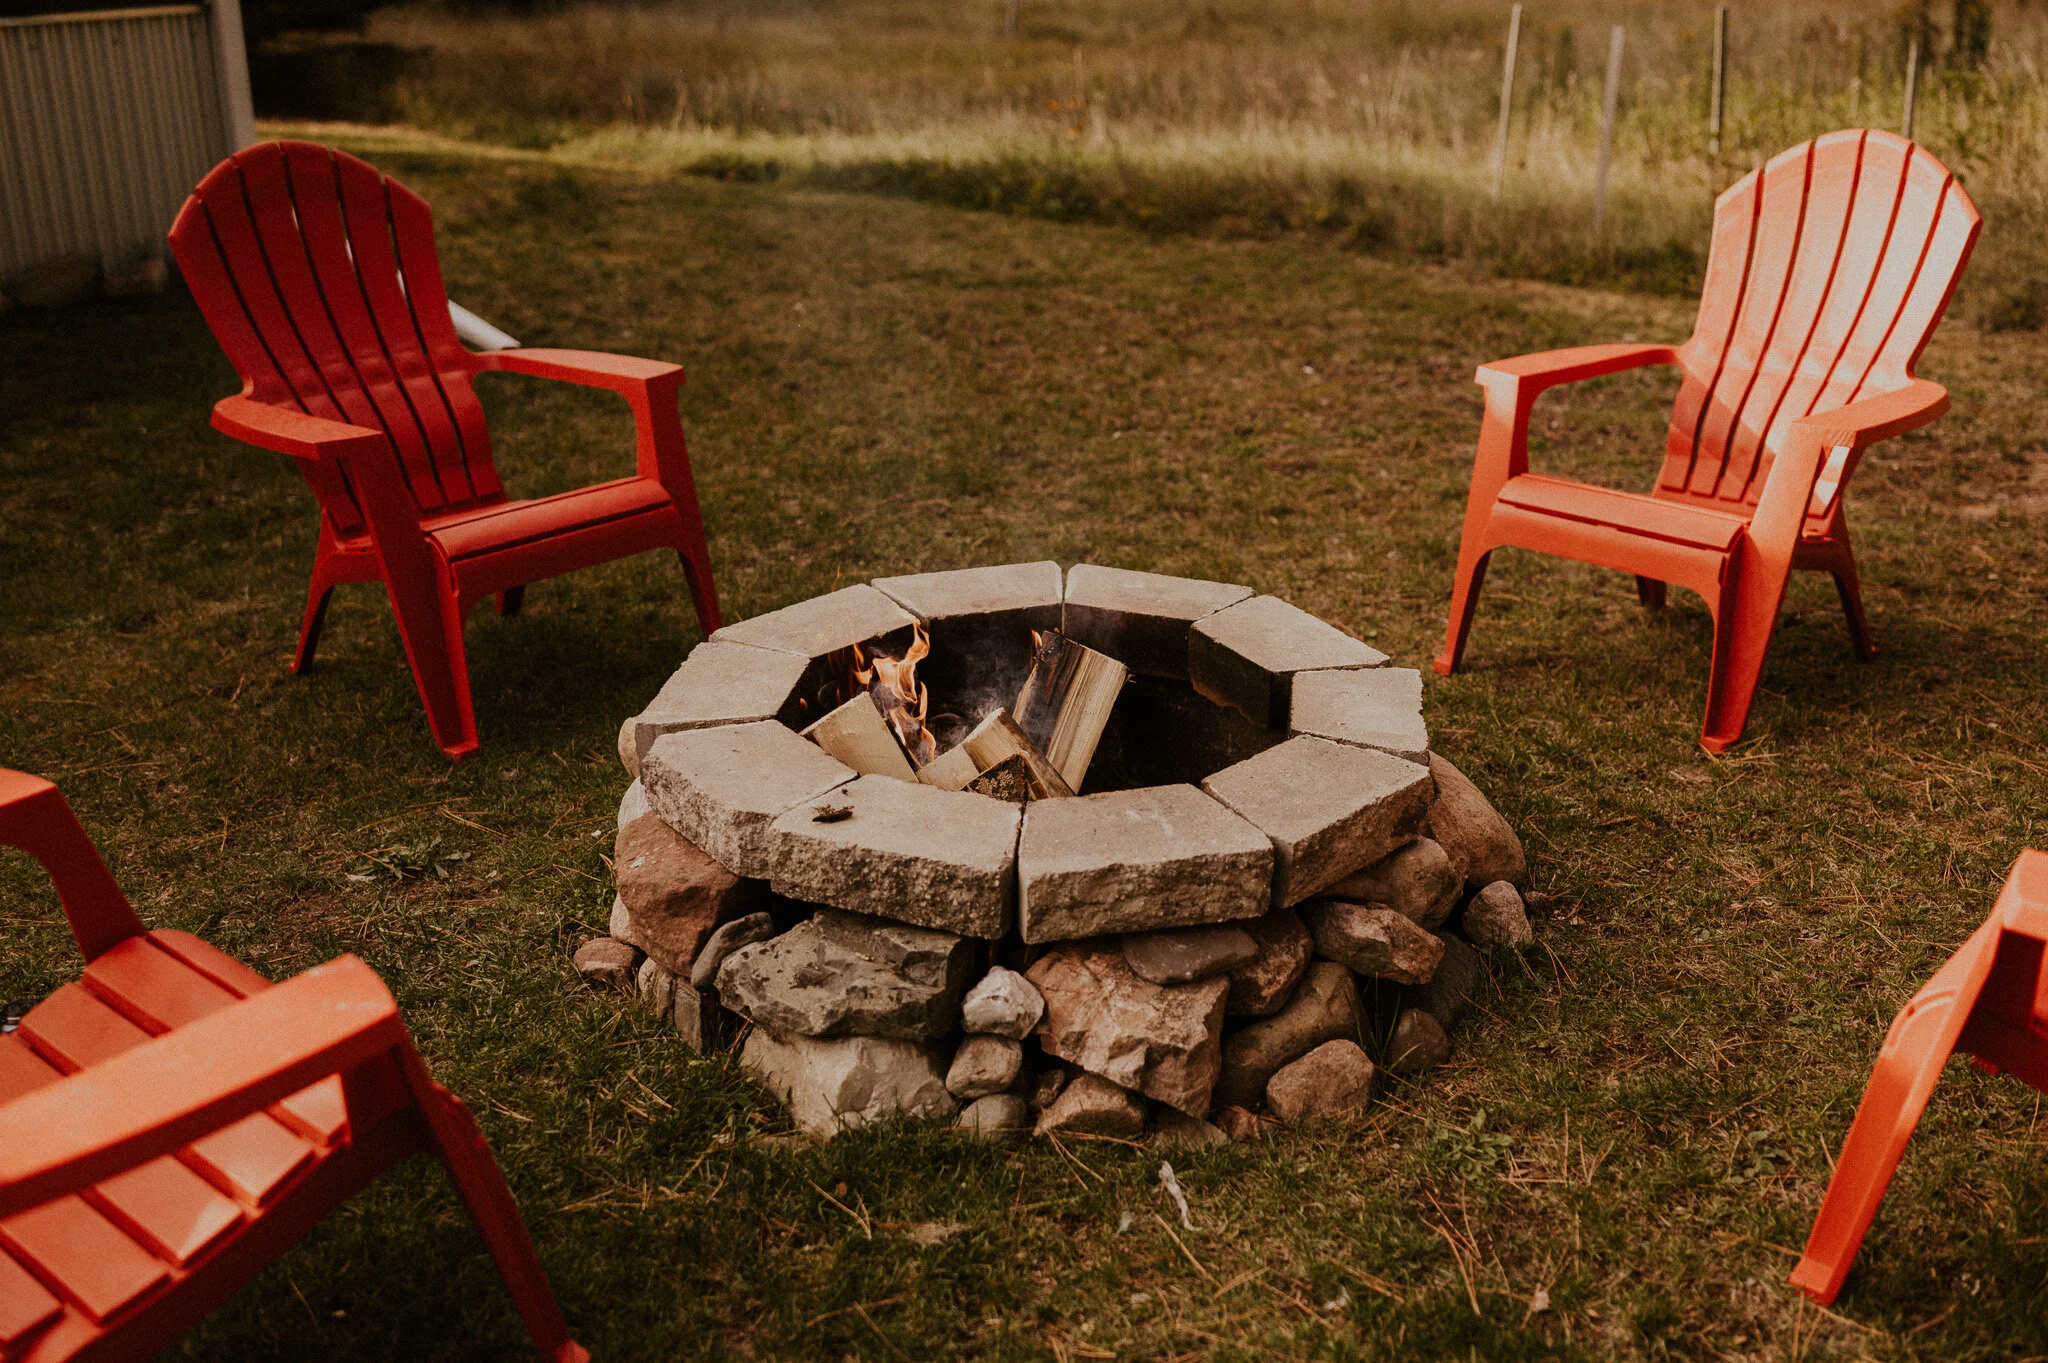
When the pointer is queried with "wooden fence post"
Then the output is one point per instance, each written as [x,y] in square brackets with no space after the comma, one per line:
[1912,83]
[1608,103]
[1720,79]
[1507,100]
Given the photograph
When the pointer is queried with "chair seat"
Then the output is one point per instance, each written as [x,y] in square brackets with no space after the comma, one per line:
[77,1265]
[1674,522]
[506,525]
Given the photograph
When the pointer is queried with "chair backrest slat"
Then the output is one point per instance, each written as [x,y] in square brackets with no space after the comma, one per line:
[1830,267]
[289,247]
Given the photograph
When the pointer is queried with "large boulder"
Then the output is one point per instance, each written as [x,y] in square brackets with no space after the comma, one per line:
[1160,1040]
[836,1083]
[1261,986]
[673,894]
[1324,1008]
[841,974]
[1481,846]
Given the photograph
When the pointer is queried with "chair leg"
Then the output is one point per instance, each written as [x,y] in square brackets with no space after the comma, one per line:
[481,1185]
[1850,589]
[1907,1069]
[1650,592]
[1464,605]
[509,601]
[430,625]
[317,598]
[703,591]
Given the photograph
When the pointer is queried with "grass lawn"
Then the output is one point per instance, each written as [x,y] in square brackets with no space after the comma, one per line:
[1637,1125]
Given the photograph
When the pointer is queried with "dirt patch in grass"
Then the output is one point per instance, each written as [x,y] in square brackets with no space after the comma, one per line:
[1636,1128]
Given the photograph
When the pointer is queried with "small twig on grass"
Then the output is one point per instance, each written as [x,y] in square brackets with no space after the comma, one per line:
[887,1342]
[471,823]
[1185,1250]
[857,1306]
[1367,1280]
[1450,1243]
[866,1227]
[1239,1281]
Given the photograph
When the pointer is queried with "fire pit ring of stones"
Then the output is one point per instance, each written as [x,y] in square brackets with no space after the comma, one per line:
[1262,826]
[1257,756]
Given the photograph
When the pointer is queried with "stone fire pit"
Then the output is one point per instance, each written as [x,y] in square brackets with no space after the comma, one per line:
[1262,827]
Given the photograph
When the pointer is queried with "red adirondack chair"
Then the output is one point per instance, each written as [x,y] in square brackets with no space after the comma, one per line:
[171,1123]
[1829,269]
[1991,1001]
[351,365]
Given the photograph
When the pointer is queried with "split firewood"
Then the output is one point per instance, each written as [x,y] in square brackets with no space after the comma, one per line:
[857,735]
[995,740]
[1065,702]
[1009,779]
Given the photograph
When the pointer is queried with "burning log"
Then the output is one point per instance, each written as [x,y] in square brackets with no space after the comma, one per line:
[899,695]
[857,735]
[1066,700]
[995,742]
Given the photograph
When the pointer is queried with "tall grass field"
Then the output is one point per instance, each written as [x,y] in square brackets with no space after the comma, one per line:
[1373,124]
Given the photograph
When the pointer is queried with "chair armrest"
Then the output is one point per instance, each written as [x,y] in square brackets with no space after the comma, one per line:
[1546,369]
[293,433]
[591,368]
[649,388]
[1870,420]
[35,817]
[170,1091]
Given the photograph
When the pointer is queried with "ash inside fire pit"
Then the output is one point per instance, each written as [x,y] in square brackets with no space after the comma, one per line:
[1162,828]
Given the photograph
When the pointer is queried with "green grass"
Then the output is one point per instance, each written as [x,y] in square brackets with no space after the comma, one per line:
[881,385]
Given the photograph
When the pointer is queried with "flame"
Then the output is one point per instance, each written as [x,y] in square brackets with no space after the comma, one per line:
[899,695]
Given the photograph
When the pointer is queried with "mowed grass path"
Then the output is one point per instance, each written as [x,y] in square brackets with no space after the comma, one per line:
[1636,1129]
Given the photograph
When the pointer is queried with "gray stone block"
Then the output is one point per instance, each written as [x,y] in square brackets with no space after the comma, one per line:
[937,858]
[1007,588]
[722,788]
[823,624]
[1376,707]
[1129,860]
[980,620]
[1329,808]
[1141,619]
[721,683]
[840,974]
[1246,655]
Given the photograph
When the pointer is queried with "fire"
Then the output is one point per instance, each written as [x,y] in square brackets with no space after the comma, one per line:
[899,695]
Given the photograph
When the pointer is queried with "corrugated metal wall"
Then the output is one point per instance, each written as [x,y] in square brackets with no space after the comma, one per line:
[106,122]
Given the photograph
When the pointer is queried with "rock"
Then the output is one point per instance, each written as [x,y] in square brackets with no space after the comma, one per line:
[1324,1008]
[1496,917]
[1481,846]
[1262,986]
[1375,707]
[1002,1003]
[1417,881]
[981,621]
[938,858]
[1141,619]
[984,1065]
[657,988]
[1173,1129]
[723,942]
[822,624]
[840,974]
[1333,1080]
[1330,809]
[702,1024]
[1188,954]
[1374,941]
[674,894]
[1046,1089]
[719,683]
[1246,655]
[629,751]
[1161,1040]
[1093,1106]
[632,804]
[1419,1043]
[1128,860]
[724,788]
[999,1114]
[1456,977]
[1239,1124]
[607,963]
[845,1082]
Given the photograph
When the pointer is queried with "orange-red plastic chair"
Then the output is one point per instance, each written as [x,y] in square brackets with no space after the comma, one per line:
[320,280]
[1828,271]
[1991,1001]
[171,1123]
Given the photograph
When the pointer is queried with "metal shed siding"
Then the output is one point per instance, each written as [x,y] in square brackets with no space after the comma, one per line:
[107,120]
